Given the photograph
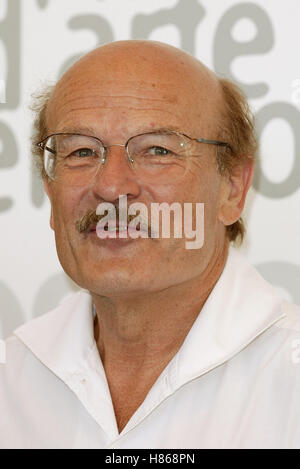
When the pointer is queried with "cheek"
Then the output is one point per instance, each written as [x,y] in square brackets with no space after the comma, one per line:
[199,188]
[205,187]
[65,205]
[202,186]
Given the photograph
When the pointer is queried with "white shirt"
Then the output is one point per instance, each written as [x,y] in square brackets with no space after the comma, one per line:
[234,383]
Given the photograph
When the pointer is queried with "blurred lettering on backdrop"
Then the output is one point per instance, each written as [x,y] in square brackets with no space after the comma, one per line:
[249,42]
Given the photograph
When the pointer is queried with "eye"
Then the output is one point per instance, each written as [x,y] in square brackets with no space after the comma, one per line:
[158,151]
[83,152]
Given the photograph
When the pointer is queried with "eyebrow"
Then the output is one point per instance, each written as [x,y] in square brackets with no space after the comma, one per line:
[89,131]
[77,130]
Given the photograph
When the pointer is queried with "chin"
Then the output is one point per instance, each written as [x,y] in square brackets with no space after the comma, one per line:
[117,286]
[114,278]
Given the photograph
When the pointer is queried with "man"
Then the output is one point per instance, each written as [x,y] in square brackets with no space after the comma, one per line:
[164,346]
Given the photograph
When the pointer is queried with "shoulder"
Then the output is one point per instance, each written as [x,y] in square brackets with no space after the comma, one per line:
[276,351]
[18,369]
[19,351]
[18,362]
[12,351]
[291,321]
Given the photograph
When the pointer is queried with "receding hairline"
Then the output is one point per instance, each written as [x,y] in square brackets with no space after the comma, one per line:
[189,75]
[140,49]
[207,85]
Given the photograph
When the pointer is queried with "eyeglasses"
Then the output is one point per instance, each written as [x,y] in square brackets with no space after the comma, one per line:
[159,157]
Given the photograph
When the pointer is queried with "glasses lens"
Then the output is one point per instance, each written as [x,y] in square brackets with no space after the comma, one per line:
[159,157]
[71,158]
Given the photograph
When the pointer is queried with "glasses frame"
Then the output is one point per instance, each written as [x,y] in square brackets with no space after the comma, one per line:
[42,143]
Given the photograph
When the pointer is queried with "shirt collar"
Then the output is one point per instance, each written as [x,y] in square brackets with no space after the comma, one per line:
[62,338]
[240,307]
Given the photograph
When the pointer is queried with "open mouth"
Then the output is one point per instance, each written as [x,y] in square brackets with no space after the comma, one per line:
[118,232]
[114,229]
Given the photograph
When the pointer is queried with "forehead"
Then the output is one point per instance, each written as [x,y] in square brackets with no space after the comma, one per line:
[131,90]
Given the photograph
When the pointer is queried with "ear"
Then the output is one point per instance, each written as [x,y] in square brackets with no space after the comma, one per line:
[47,187]
[235,188]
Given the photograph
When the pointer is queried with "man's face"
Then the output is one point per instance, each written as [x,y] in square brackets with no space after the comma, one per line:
[114,98]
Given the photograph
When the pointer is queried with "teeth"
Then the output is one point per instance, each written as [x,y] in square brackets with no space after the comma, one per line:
[116,228]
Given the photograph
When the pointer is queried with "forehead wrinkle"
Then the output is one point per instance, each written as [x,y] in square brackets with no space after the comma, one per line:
[142,68]
[117,97]
[72,90]
[110,102]
[69,122]
[129,96]
[131,108]
[63,109]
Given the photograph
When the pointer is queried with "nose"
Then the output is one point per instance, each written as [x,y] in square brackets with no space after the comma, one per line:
[115,177]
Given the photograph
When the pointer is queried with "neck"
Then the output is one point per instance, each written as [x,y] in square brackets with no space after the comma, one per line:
[143,329]
[137,337]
